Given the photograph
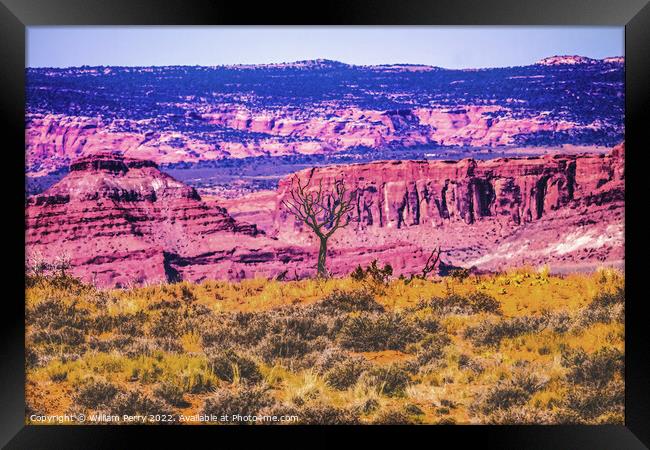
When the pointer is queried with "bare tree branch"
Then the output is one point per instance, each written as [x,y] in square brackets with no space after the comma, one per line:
[322,211]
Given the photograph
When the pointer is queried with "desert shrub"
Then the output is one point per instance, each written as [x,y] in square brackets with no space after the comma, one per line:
[187,295]
[520,415]
[55,314]
[171,393]
[299,325]
[242,400]
[514,392]
[170,344]
[391,380]
[428,324]
[168,323]
[373,278]
[58,373]
[102,323]
[349,301]
[460,273]
[558,322]
[135,403]
[95,393]
[606,299]
[322,414]
[64,336]
[130,324]
[229,365]
[242,328]
[456,304]
[394,416]
[328,358]
[412,408]
[594,370]
[373,273]
[370,405]
[588,404]
[431,350]
[32,358]
[605,307]
[197,380]
[490,333]
[164,304]
[139,347]
[465,362]
[255,325]
[345,374]
[119,342]
[279,345]
[371,332]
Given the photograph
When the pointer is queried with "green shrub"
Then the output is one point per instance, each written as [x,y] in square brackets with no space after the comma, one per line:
[349,301]
[394,417]
[513,392]
[243,400]
[372,332]
[490,333]
[456,304]
[227,364]
[391,380]
[345,374]
[431,350]
[586,403]
[55,314]
[171,393]
[135,403]
[594,370]
[95,393]
[321,414]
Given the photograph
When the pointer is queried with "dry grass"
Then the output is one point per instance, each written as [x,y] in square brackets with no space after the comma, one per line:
[502,348]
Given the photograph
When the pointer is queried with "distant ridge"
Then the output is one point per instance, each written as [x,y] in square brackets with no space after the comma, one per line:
[576,59]
[321,63]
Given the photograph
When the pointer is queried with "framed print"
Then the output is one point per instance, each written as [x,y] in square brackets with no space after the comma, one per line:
[388,218]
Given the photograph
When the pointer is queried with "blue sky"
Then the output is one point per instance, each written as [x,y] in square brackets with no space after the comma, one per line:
[444,46]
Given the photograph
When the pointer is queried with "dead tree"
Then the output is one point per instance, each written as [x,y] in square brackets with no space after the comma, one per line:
[429,266]
[323,212]
[431,263]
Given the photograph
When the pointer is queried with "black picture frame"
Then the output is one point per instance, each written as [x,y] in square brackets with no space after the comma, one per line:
[16,15]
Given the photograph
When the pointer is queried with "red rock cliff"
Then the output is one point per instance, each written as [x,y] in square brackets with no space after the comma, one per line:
[121,220]
[565,211]
[398,194]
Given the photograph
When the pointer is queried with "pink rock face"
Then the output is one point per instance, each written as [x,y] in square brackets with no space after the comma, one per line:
[53,141]
[122,221]
[493,214]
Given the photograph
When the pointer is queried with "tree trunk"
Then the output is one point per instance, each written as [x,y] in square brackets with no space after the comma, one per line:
[322,256]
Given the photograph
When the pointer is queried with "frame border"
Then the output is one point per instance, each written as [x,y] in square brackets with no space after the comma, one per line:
[16,15]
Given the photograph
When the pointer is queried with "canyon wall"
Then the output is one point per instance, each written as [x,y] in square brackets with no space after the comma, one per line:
[122,221]
[399,194]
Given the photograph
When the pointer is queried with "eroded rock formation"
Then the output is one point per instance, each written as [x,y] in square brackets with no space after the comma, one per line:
[121,221]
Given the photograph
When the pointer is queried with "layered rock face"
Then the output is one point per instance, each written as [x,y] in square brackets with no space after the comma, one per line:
[472,207]
[121,221]
[191,114]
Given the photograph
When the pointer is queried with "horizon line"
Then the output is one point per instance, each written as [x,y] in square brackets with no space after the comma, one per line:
[252,65]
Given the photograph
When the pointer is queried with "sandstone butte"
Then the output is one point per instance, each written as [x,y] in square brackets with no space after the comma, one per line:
[122,221]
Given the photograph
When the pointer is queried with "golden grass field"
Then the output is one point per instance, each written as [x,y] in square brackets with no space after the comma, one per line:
[516,347]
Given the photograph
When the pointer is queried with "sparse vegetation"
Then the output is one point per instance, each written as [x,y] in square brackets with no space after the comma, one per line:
[516,347]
